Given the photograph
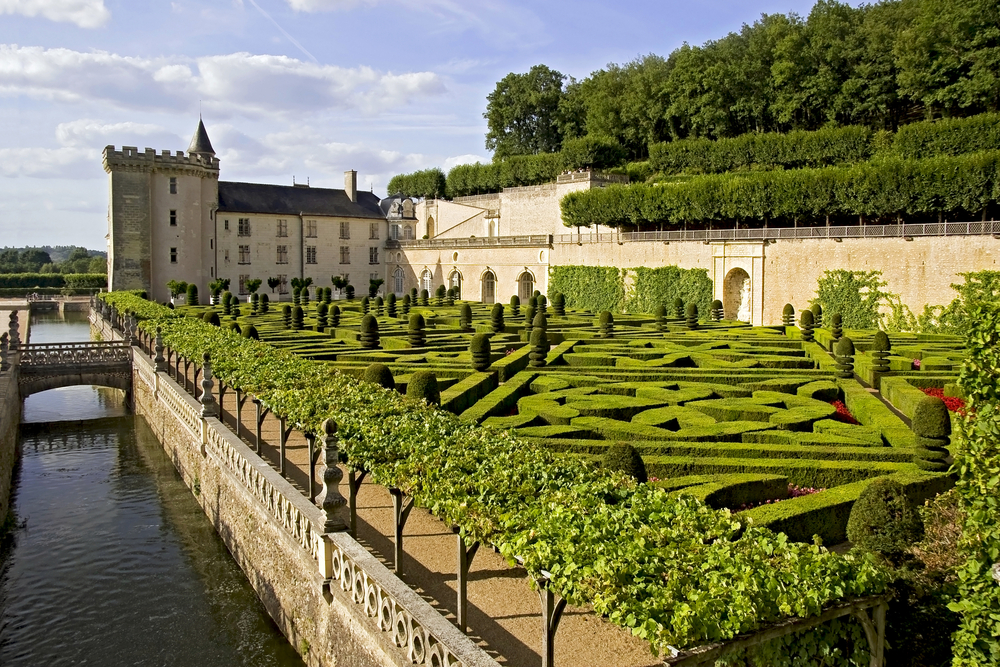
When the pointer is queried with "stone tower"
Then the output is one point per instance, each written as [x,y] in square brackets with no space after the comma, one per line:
[160,216]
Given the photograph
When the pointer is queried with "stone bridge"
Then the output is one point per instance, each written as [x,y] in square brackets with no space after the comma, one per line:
[46,366]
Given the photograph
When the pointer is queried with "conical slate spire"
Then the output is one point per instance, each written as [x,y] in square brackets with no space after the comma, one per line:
[200,144]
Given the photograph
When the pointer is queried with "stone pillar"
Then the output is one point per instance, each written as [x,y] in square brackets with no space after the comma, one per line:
[15,339]
[330,498]
[209,407]
[158,360]
[3,353]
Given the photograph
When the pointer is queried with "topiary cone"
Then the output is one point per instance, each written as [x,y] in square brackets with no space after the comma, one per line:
[333,317]
[479,350]
[529,318]
[415,331]
[286,316]
[540,321]
[880,352]
[465,318]
[496,318]
[379,374]
[836,326]
[931,424]
[788,315]
[623,457]
[406,305]
[250,331]
[884,520]
[691,316]
[439,295]
[365,305]
[540,303]
[660,317]
[297,318]
[369,332]
[515,306]
[379,303]
[806,325]
[539,345]
[845,358]
[716,312]
[606,324]
[424,296]
[212,318]
[559,304]
[817,311]
[423,386]
[679,308]
[390,305]
[321,315]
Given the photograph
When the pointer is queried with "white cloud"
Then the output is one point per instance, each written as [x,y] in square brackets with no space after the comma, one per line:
[67,162]
[95,134]
[233,84]
[451,162]
[84,13]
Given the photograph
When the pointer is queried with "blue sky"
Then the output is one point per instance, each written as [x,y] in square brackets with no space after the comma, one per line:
[303,88]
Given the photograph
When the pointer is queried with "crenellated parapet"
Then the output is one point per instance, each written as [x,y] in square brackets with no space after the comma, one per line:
[131,159]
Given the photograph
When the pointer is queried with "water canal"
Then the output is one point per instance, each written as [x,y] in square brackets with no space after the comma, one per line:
[112,561]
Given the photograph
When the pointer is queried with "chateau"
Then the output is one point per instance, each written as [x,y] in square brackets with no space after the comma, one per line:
[171,218]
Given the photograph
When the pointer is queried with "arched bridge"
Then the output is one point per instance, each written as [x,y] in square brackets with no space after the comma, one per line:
[46,366]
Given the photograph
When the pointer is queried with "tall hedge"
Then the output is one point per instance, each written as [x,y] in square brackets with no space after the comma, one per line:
[520,170]
[68,280]
[593,288]
[653,287]
[948,136]
[892,187]
[428,183]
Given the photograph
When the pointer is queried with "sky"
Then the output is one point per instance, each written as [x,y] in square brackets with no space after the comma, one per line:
[302,89]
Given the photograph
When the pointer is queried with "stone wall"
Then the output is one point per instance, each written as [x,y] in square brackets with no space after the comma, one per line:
[335,602]
[10,416]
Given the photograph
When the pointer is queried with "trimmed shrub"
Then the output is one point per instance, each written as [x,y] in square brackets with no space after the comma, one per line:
[691,316]
[479,349]
[678,308]
[439,295]
[451,295]
[884,520]
[254,303]
[660,317]
[845,358]
[227,303]
[424,298]
[716,313]
[413,295]
[406,305]
[623,457]
[236,309]
[931,424]
[806,325]
[788,315]
[496,318]
[321,312]
[286,316]
[465,318]
[539,344]
[540,321]
[379,374]
[390,305]
[333,317]
[349,292]
[369,332]
[212,318]
[423,386]
[296,296]
[817,311]
[265,303]
[606,324]
[192,295]
[880,352]
[304,296]
[365,305]
[559,304]
[837,326]
[540,303]
[234,327]
[379,305]
[415,331]
[250,331]
[297,317]
[515,306]
[593,288]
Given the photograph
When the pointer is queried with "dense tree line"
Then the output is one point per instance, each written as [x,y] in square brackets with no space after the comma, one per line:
[40,260]
[879,66]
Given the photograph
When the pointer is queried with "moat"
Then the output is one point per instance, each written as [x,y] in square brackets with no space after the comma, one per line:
[112,561]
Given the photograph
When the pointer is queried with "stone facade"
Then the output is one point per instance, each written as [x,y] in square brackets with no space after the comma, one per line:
[10,414]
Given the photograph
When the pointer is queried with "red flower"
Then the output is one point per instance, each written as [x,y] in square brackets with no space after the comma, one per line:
[953,403]
[843,414]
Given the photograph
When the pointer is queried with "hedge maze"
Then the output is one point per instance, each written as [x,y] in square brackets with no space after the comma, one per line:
[787,423]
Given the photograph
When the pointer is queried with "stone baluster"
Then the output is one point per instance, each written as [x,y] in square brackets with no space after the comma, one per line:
[330,498]
[159,361]
[15,340]
[209,406]
[3,353]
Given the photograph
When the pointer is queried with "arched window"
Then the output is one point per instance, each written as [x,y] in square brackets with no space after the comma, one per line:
[430,226]
[408,233]
[455,282]
[492,228]
[525,286]
[489,287]
[425,280]
[394,232]
[397,280]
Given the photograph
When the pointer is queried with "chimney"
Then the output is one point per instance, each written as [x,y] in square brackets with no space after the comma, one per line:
[351,184]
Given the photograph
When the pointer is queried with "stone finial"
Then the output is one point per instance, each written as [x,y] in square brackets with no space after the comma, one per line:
[209,407]
[158,360]
[330,498]
[15,339]
[3,353]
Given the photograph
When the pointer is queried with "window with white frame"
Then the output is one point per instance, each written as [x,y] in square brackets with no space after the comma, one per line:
[394,232]
[282,254]
[225,224]
[345,229]
[244,254]
[243,283]
[407,233]
[373,255]
[373,230]
[282,283]
[244,227]
[310,254]
[345,254]
[425,280]
[310,229]
[282,227]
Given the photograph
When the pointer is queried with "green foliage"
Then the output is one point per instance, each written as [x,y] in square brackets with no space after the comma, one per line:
[559,304]
[250,331]
[465,317]
[539,343]
[623,457]
[70,280]
[192,295]
[977,462]
[423,386]
[664,284]
[824,147]
[806,325]
[415,330]
[252,285]
[297,317]
[522,113]
[515,306]
[931,419]
[978,287]
[948,136]
[212,318]
[691,316]
[479,350]
[883,520]
[592,153]
[515,171]
[885,187]
[592,288]
[426,183]
[379,374]
[856,295]
[496,318]
[845,357]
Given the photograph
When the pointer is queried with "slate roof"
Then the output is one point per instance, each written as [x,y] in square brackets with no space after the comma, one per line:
[200,142]
[292,200]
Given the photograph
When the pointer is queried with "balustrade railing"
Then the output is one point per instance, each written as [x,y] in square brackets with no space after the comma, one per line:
[74,354]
